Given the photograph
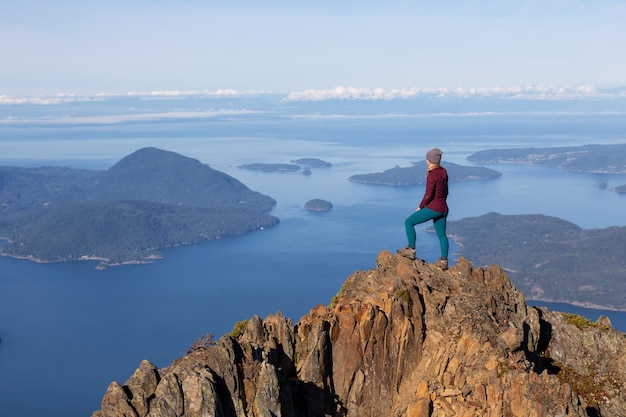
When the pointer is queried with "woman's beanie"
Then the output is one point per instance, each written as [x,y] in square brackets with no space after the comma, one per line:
[434,156]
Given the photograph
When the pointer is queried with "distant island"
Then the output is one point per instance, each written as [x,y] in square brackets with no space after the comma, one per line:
[150,200]
[318,204]
[548,258]
[312,163]
[302,166]
[416,175]
[271,167]
[586,158]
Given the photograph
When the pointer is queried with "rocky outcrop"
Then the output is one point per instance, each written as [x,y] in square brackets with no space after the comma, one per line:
[403,339]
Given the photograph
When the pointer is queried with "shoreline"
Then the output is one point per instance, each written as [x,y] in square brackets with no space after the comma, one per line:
[104,263]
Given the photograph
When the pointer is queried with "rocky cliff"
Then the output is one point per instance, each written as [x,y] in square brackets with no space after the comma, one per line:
[404,339]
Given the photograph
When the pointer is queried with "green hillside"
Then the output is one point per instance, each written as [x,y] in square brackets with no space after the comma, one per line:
[549,258]
[151,174]
[26,189]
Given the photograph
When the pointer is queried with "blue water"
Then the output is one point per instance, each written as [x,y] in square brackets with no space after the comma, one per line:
[68,330]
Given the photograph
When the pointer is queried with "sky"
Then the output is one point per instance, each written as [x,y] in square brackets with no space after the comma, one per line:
[50,47]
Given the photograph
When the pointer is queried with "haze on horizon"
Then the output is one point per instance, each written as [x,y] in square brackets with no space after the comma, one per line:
[71,47]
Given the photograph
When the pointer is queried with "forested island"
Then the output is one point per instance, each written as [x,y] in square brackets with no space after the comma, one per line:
[586,158]
[317,204]
[416,174]
[312,163]
[302,165]
[150,200]
[548,258]
[263,167]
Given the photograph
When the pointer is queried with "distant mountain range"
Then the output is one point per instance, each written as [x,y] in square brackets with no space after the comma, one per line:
[149,200]
[548,258]
[586,158]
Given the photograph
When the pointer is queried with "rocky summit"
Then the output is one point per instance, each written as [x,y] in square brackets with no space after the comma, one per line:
[403,339]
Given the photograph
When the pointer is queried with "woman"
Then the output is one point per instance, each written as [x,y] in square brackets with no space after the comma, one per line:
[432,207]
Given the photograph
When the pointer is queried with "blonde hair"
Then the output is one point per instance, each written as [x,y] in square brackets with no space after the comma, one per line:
[431,166]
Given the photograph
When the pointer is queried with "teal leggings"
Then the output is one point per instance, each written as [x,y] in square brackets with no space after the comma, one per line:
[439,221]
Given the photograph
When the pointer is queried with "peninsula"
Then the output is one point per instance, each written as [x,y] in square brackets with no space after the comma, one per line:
[150,200]
[416,174]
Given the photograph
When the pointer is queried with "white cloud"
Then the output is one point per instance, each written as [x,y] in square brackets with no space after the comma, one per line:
[535,92]
[65,98]
[515,92]
[192,93]
[57,99]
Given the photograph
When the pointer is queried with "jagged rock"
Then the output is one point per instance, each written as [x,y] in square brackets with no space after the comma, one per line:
[116,402]
[403,339]
[145,379]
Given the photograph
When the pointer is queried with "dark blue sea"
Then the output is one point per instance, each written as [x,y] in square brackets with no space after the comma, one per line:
[67,330]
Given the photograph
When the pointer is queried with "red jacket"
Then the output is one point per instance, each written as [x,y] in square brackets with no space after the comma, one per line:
[436,190]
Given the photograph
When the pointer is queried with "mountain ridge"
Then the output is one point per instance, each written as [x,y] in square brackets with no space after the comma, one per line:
[152,174]
[402,339]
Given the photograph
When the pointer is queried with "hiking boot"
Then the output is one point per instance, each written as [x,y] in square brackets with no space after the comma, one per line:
[407,252]
[442,264]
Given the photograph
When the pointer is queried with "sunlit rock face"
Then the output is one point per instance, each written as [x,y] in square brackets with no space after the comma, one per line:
[403,339]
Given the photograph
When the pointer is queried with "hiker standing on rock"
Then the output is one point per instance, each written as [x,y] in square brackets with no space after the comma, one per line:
[432,207]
